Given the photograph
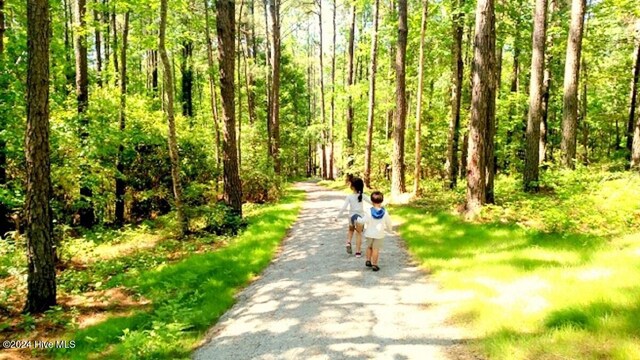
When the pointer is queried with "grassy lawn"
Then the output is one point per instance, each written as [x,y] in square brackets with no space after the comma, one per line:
[148,296]
[546,276]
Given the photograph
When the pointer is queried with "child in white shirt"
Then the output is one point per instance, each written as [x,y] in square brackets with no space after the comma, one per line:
[376,221]
[354,202]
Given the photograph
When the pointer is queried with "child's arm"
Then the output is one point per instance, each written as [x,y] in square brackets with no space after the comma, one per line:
[388,224]
[344,207]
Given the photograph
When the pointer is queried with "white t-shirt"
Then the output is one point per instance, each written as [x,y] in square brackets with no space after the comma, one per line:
[355,206]
[375,228]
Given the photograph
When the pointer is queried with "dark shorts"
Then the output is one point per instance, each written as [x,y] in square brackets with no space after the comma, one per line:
[353,224]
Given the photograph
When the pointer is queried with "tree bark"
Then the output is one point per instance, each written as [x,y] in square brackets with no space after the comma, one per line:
[172,141]
[350,82]
[634,101]
[571,73]
[98,43]
[212,89]
[86,211]
[398,172]
[483,95]
[114,28]
[546,86]
[225,26]
[41,278]
[187,79]
[120,180]
[456,96]
[333,95]
[251,96]
[3,144]
[532,151]
[418,157]
[325,166]
[372,95]
[274,14]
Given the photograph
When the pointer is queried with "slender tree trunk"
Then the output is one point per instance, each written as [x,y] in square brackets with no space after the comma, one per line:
[333,95]
[456,95]
[546,87]
[532,154]
[418,157]
[483,95]
[187,80]
[268,77]
[212,88]
[251,96]
[310,108]
[274,14]
[68,39]
[172,140]
[114,28]
[3,144]
[583,114]
[226,27]
[634,101]
[350,83]
[87,214]
[97,35]
[120,180]
[41,278]
[325,167]
[372,95]
[106,38]
[239,87]
[398,170]
[571,73]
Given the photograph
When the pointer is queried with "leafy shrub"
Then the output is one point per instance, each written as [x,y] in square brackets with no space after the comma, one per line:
[218,219]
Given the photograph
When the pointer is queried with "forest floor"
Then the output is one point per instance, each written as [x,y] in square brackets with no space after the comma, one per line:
[317,302]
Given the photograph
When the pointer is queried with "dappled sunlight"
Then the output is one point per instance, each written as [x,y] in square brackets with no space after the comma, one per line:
[595,274]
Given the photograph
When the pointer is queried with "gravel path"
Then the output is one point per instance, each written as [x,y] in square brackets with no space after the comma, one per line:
[316,302]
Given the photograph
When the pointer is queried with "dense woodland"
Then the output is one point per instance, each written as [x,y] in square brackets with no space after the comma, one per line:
[114,111]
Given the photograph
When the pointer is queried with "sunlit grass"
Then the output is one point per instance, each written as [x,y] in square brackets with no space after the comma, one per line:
[534,294]
[188,296]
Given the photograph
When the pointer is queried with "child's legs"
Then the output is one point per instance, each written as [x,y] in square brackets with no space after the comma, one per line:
[374,256]
[349,235]
[375,250]
[369,250]
[358,241]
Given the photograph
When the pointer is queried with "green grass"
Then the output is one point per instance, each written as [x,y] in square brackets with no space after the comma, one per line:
[537,290]
[188,296]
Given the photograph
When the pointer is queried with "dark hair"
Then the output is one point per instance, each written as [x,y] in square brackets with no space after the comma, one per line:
[358,185]
[349,178]
[377,197]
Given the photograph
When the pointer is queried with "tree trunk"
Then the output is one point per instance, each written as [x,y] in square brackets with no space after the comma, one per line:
[456,95]
[168,108]
[634,100]
[225,26]
[98,44]
[325,167]
[333,95]
[350,82]
[120,181]
[212,88]
[397,175]
[274,14]
[583,114]
[3,144]
[114,28]
[418,157]
[546,87]
[532,154]
[571,73]
[372,95]
[187,80]
[251,96]
[483,95]
[86,212]
[41,278]
[239,88]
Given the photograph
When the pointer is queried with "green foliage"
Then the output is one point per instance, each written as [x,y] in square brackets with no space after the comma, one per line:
[186,296]
[543,275]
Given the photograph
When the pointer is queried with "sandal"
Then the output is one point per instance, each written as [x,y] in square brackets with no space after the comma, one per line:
[349,248]
[367,263]
[375,267]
